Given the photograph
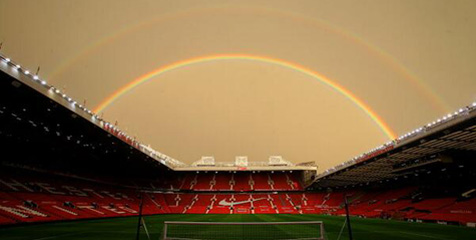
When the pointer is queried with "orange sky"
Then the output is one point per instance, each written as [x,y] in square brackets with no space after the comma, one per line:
[410,61]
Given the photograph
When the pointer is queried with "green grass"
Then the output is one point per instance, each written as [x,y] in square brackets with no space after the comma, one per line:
[125,228]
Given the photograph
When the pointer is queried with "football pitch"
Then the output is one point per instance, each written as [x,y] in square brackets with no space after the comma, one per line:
[125,228]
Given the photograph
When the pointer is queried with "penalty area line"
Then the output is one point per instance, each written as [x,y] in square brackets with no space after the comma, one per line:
[57,236]
[421,235]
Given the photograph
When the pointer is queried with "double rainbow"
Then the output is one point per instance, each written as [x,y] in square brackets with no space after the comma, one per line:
[421,86]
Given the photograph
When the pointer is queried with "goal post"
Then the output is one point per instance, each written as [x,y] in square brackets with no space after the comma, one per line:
[304,230]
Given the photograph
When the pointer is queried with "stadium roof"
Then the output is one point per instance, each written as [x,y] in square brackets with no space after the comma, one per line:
[37,118]
[446,140]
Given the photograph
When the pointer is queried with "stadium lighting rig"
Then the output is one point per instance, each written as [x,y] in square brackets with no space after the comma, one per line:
[413,133]
[42,82]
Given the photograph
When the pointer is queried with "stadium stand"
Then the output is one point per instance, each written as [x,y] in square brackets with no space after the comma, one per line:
[28,196]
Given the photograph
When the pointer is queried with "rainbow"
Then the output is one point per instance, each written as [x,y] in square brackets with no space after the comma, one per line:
[323,79]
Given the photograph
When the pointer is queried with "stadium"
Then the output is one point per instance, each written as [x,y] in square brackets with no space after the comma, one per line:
[68,173]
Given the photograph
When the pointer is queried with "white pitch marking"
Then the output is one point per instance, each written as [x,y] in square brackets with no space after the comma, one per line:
[421,235]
